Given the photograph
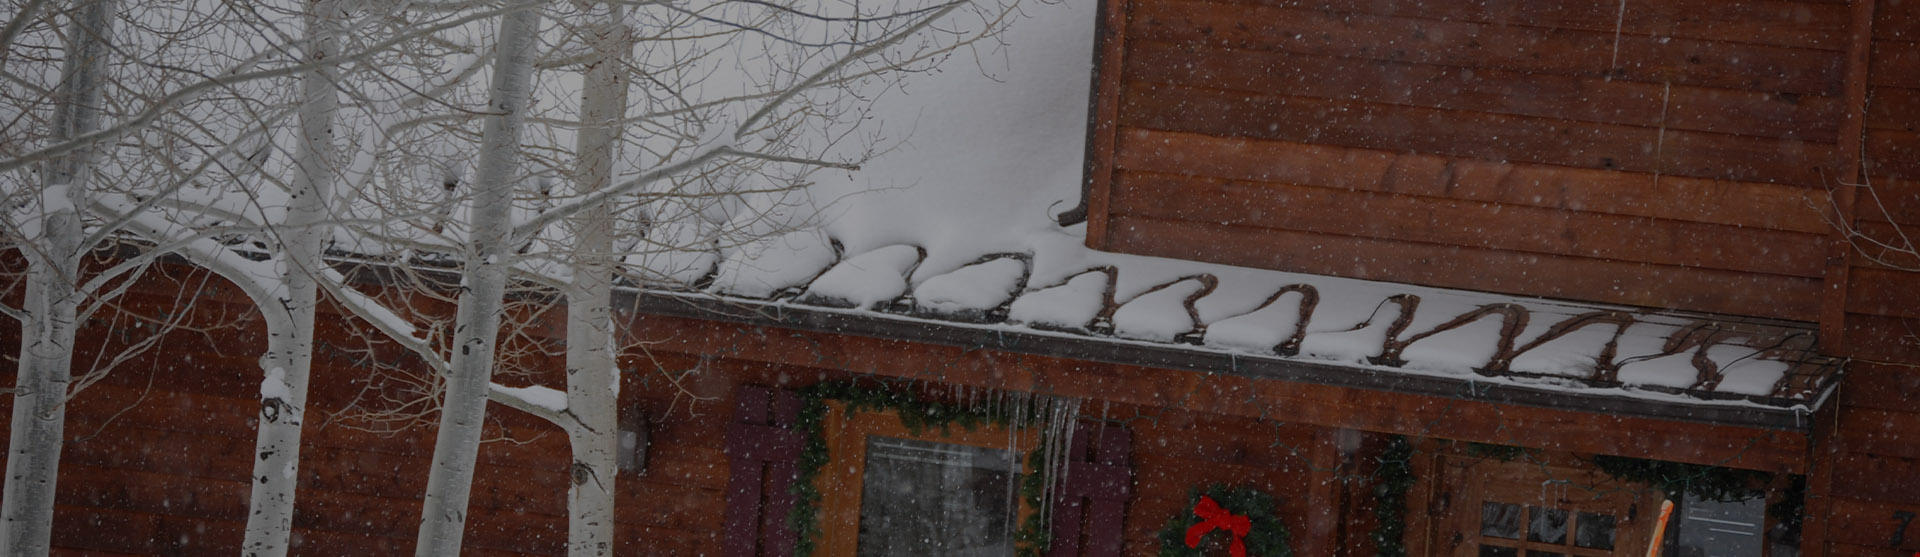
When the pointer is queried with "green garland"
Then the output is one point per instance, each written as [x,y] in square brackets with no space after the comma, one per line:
[1034,535]
[1502,453]
[1713,483]
[919,416]
[1393,478]
[1676,479]
[1267,538]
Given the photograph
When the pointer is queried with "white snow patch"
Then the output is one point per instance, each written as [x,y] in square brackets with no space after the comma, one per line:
[1353,345]
[868,279]
[1459,350]
[543,397]
[1672,370]
[1575,354]
[1160,315]
[680,256]
[1642,364]
[1072,305]
[1356,343]
[978,287]
[1743,372]
[766,266]
[274,386]
[1261,330]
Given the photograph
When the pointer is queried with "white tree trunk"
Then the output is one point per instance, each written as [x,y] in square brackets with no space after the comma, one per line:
[477,321]
[52,299]
[593,382]
[289,356]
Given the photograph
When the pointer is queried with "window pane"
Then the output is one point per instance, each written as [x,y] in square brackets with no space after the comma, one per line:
[930,499]
[1500,520]
[1594,531]
[1722,528]
[1491,551]
[1548,525]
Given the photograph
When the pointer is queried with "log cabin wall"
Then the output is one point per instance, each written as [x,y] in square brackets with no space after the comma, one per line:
[1881,285]
[1665,154]
[157,460]
[1865,489]
[158,454]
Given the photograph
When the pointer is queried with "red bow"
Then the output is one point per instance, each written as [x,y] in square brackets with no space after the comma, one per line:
[1212,516]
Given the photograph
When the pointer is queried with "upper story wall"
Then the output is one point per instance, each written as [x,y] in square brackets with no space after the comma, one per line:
[1670,154]
[1882,293]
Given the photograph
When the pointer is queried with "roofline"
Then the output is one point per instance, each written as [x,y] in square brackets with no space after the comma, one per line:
[1796,416]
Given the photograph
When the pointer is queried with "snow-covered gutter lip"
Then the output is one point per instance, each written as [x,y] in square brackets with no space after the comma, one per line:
[1705,408]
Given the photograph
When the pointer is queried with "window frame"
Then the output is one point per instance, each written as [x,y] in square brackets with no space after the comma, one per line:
[841,479]
[1548,483]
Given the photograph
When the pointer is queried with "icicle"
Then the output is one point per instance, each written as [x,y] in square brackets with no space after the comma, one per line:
[1057,433]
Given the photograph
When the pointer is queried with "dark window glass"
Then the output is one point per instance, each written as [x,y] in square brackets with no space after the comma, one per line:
[1491,551]
[1593,531]
[1721,528]
[1547,525]
[1500,520]
[929,499]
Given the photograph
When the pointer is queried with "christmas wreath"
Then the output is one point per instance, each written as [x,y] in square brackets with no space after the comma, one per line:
[1238,520]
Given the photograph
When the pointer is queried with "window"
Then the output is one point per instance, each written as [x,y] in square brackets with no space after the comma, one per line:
[888,491]
[1528,508]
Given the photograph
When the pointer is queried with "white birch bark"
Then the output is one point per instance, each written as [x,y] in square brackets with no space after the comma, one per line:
[593,383]
[52,297]
[477,321]
[289,357]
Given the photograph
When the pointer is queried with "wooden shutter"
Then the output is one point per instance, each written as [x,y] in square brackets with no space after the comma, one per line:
[1089,509]
[764,450]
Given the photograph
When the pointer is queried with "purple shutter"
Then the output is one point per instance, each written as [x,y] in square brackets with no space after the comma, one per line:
[763,449]
[1090,508]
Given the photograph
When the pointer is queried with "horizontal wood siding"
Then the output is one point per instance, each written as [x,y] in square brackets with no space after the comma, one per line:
[1873,467]
[1883,291]
[158,454]
[1674,153]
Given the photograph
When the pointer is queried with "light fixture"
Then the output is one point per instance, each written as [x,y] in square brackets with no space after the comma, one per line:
[632,454]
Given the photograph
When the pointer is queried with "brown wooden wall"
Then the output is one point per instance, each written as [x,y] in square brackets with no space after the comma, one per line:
[1882,293]
[1671,154]
[157,460]
[158,457]
[1868,464]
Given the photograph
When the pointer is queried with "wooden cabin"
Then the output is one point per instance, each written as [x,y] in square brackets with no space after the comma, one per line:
[1448,278]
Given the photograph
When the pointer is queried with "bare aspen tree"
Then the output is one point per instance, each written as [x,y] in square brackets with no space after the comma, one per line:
[52,241]
[483,287]
[701,160]
[593,380]
[289,357]
[259,135]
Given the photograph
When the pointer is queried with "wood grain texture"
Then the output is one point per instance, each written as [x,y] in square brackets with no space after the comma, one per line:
[1475,134]
[1480,45]
[1411,218]
[1743,204]
[1496,91]
[1451,266]
[1818,25]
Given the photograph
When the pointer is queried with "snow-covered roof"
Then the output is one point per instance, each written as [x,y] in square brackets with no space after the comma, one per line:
[1198,312]
[954,231]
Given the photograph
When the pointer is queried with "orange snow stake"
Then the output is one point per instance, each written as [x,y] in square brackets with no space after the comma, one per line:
[1660,528]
